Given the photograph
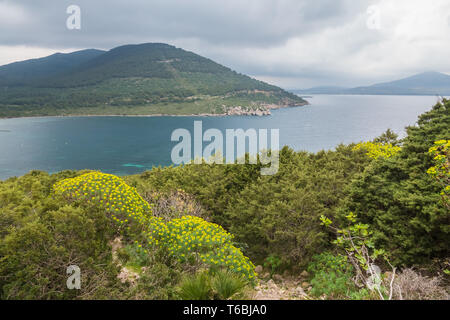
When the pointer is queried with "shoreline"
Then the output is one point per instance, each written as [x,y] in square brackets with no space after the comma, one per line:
[156,114]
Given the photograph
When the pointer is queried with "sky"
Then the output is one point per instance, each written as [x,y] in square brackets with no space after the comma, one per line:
[290,43]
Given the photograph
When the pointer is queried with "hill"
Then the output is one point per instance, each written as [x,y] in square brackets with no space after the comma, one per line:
[151,78]
[30,71]
[427,83]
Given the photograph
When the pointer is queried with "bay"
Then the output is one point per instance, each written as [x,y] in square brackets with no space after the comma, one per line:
[129,145]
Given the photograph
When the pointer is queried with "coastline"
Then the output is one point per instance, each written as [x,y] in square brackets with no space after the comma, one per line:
[226,114]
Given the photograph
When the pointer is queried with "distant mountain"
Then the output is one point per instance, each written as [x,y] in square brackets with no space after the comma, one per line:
[322,90]
[427,83]
[152,78]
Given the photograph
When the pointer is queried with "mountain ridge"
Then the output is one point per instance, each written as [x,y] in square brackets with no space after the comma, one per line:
[425,83]
[150,78]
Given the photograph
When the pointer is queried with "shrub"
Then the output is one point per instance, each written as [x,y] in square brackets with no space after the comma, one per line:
[227,285]
[40,237]
[332,276]
[217,285]
[173,204]
[400,201]
[441,170]
[272,263]
[411,285]
[196,287]
[190,239]
[375,150]
[194,240]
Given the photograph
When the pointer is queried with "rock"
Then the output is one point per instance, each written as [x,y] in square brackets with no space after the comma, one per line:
[304,274]
[300,291]
[266,275]
[278,278]
[259,269]
[126,275]
[305,285]
[286,290]
[286,274]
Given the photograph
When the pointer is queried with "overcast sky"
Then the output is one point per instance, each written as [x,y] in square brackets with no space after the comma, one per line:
[291,43]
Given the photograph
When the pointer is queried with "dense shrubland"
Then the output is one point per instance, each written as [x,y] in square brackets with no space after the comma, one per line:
[193,231]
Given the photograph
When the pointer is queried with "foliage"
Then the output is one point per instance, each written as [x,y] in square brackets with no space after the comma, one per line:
[400,201]
[194,240]
[108,193]
[197,287]
[272,263]
[385,202]
[388,137]
[333,278]
[268,215]
[227,285]
[376,150]
[173,204]
[411,285]
[355,241]
[220,285]
[40,237]
[441,170]
[190,239]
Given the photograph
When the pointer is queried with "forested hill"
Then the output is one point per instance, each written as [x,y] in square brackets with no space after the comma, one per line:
[31,72]
[131,79]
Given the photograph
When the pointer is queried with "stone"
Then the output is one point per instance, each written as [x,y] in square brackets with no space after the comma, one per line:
[278,278]
[266,275]
[305,285]
[304,274]
[259,269]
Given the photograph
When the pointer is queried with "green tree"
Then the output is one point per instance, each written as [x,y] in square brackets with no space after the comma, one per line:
[400,201]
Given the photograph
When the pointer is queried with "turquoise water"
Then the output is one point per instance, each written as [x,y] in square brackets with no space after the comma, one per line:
[128,145]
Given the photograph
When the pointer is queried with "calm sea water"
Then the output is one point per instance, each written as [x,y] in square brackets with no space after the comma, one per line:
[128,145]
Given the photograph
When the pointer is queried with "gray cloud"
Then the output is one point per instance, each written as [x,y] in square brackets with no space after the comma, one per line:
[294,42]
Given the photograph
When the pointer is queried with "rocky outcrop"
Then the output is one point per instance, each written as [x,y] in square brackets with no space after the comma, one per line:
[241,111]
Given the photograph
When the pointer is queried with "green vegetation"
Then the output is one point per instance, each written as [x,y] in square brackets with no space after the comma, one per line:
[357,218]
[208,286]
[400,201]
[332,276]
[130,80]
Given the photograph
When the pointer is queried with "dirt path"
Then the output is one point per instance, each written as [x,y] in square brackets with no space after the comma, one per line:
[282,289]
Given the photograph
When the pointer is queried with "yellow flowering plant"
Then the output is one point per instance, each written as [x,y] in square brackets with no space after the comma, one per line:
[441,170]
[190,239]
[377,150]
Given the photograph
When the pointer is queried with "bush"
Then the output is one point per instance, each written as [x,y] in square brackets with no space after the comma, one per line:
[173,204]
[227,285]
[272,263]
[190,239]
[217,285]
[411,285]
[332,276]
[40,237]
[197,287]
[400,201]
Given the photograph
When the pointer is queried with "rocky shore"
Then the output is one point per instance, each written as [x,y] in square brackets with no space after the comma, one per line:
[262,110]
